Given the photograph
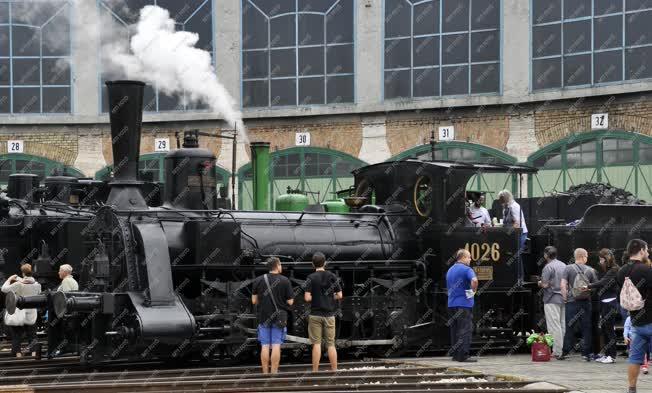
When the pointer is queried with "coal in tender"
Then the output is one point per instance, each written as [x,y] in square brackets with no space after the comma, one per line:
[606,193]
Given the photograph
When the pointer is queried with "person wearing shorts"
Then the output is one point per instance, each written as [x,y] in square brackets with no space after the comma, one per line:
[641,334]
[269,334]
[322,291]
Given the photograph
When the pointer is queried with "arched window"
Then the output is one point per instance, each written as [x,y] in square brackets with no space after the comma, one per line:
[35,49]
[151,168]
[491,183]
[297,52]
[189,15]
[27,163]
[623,159]
[318,171]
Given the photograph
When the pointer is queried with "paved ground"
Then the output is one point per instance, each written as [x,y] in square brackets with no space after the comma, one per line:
[572,373]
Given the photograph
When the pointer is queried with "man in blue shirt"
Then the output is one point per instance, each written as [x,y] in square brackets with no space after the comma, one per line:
[462,284]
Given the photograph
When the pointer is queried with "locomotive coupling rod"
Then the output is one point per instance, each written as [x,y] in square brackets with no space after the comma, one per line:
[13,301]
[68,302]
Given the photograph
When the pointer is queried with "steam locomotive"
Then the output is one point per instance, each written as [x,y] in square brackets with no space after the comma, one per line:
[173,281]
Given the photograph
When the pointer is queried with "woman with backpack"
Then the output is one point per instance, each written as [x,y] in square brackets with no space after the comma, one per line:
[22,322]
[607,290]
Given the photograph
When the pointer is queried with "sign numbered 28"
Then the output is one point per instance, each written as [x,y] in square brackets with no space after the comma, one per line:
[15,146]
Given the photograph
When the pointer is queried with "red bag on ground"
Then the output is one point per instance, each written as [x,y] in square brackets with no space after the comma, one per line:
[540,352]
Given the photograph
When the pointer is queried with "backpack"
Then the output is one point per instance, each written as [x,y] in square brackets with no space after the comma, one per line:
[580,282]
[630,297]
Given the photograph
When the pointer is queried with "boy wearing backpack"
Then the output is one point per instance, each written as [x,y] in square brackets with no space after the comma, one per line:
[635,279]
[576,277]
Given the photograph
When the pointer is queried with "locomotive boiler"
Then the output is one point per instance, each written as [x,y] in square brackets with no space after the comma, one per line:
[173,279]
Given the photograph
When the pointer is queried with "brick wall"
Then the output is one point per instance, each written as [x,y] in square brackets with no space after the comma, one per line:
[55,143]
[555,121]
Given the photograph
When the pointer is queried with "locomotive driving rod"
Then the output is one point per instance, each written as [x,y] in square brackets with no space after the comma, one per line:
[13,301]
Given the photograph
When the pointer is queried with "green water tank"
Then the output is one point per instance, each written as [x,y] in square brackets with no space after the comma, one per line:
[336,206]
[292,201]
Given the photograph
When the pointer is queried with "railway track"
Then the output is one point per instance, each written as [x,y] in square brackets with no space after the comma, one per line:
[376,376]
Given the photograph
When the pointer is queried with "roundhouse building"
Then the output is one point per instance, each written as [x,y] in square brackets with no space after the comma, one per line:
[563,85]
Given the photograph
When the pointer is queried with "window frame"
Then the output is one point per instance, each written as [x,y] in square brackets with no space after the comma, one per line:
[10,58]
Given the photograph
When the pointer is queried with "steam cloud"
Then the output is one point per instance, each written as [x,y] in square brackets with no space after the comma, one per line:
[161,56]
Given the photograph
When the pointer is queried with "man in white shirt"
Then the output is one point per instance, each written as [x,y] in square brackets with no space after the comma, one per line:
[478,215]
[513,217]
[68,283]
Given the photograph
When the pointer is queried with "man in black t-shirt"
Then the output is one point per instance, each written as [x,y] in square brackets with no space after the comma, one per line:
[323,290]
[269,333]
[641,276]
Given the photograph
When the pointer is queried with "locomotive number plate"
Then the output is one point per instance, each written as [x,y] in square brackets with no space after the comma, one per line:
[484,252]
[484,273]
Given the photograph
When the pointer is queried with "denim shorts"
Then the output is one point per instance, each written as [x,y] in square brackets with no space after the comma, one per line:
[640,346]
[271,335]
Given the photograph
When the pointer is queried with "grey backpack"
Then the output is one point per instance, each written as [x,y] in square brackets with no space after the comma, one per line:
[580,281]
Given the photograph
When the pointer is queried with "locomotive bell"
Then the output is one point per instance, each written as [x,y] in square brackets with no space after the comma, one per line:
[190,177]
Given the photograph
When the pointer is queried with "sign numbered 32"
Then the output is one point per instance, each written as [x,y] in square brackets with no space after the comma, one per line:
[162,144]
[600,121]
[447,133]
[302,139]
[15,146]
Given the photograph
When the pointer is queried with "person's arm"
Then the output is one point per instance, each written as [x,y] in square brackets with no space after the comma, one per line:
[254,299]
[470,275]
[307,296]
[546,276]
[8,286]
[626,329]
[254,293]
[609,276]
[338,289]
[289,293]
[487,217]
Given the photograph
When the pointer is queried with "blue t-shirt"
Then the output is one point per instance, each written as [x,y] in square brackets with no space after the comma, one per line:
[458,280]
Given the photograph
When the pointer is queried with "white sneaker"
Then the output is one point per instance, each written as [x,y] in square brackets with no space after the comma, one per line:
[608,360]
[600,359]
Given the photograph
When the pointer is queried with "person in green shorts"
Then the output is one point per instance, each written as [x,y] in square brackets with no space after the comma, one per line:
[323,291]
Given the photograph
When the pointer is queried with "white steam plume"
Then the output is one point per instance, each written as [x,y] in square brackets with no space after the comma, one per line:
[161,56]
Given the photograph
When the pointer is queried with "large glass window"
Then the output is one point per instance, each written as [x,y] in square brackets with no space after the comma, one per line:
[40,166]
[189,15]
[297,52]
[618,158]
[590,42]
[318,172]
[441,47]
[35,50]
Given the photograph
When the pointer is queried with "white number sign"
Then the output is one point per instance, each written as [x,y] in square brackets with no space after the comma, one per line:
[162,144]
[15,146]
[447,133]
[600,121]
[302,139]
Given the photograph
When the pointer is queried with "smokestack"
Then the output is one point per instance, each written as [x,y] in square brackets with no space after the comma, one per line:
[260,166]
[126,115]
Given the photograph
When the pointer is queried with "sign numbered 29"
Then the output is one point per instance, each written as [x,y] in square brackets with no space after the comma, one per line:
[15,146]
[483,252]
[162,144]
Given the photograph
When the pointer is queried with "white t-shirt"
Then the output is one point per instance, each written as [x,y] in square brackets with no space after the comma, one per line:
[515,215]
[478,216]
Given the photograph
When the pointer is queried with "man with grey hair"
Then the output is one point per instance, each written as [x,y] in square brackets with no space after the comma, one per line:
[68,283]
[513,217]
[575,278]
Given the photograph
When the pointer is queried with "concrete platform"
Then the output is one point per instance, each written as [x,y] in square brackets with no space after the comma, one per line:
[573,373]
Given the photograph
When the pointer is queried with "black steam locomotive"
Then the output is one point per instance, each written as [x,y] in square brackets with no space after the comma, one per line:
[174,280]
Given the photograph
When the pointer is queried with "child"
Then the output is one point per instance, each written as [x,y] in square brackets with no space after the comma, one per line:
[627,330]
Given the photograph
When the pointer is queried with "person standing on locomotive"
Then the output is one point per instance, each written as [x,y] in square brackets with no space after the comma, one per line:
[272,292]
[461,283]
[478,215]
[553,302]
[578,303]
[323,290]
[68,282]
[641,276]
[513,217]
[22,322]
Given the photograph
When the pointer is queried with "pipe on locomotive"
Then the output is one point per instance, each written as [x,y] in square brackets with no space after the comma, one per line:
[126,115]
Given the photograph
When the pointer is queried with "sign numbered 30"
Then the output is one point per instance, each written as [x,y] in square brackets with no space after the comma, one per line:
[302,139]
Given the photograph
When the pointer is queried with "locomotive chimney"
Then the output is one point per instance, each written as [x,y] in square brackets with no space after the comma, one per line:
[126,114]
[260,169]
